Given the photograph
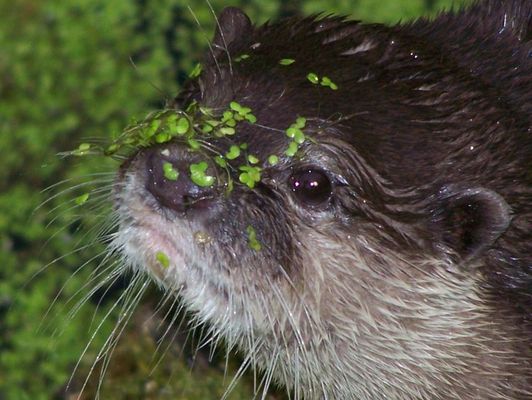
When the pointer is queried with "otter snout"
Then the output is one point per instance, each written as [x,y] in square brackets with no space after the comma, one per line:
[168,180]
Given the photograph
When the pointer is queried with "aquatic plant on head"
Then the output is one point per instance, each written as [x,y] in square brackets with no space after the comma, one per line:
[194,128]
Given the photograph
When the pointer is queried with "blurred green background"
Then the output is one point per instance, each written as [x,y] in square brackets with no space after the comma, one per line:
[79,69]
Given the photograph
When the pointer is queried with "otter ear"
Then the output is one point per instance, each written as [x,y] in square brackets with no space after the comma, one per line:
[469,220]
[233,25]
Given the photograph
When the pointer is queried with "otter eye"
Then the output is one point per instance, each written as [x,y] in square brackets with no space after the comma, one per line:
[311,186]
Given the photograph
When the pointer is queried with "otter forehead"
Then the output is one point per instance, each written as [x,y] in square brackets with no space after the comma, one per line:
[403,100]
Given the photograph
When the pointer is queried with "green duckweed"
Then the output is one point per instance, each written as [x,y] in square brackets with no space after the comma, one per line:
[241,57]
[80,200]
[169,171]
[326,81]
[220,161]
[252,159]
[163,259]
[234,152]
[250,176]
[82,150]
[273,159]
[313,78]
[196,71]
[195,128]
[292,149]
[287,61]
[198,176]
[253,242]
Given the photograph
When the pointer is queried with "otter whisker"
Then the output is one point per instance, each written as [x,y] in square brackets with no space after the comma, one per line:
[222,35]
[129,305]
[211,50]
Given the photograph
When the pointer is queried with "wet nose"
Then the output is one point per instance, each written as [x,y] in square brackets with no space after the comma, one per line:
[168,180]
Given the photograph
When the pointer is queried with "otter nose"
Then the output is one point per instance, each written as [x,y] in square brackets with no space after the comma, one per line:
[168,180]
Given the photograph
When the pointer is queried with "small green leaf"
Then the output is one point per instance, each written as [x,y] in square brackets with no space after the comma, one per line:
[163,137]
[80,200]
[299,137]
[227,115]
[241,57]
[162,259]
[235,106]
[111,149]
[245,110]
[300,122]
[292,131]
[169,172]
[220,161]
[252,159]
[250,175]
[197,174]
[234,152]
[227,130]
[82,149]
[253,243]
[326,81]
[150,131]
[313,78]
[196,71]
[193,144]
[231,122]
[207,128]
[183,125]
[251,118]
[292,149]
[287,61]
[273,159]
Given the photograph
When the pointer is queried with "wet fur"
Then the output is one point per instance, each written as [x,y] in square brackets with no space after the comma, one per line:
[374,296]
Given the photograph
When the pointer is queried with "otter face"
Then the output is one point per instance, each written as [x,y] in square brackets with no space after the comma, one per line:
[344,234]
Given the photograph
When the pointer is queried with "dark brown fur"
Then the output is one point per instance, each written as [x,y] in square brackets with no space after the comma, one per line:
[428,146]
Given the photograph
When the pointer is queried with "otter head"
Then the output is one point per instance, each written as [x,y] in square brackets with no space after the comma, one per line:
[326,206]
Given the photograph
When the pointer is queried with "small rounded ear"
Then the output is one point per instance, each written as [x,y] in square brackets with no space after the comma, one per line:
[233,25]
[469,220]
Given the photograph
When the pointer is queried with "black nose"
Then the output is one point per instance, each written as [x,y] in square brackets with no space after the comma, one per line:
[168,180]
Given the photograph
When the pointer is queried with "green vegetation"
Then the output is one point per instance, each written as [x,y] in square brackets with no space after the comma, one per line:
[73,74]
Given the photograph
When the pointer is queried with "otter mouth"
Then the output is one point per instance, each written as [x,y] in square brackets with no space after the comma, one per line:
[164,221]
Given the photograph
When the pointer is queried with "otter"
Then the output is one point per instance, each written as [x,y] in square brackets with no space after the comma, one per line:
[350,205]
